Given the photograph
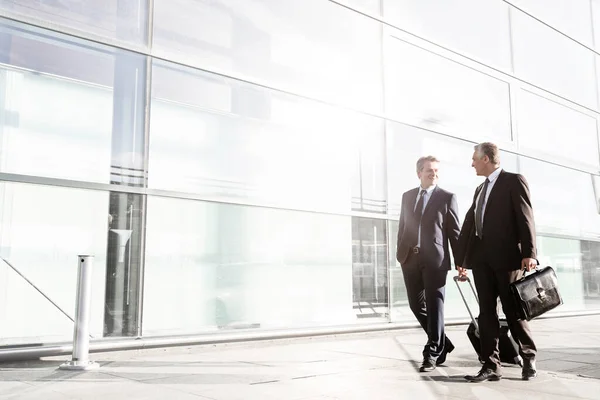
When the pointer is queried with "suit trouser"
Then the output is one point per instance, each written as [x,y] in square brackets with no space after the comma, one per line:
[490,284]
[426,288]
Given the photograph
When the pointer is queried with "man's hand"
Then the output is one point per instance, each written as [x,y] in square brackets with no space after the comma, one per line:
[528,264]
[462,272]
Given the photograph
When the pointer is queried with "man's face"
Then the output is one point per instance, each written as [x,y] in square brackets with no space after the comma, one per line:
[429,174]
[479,163]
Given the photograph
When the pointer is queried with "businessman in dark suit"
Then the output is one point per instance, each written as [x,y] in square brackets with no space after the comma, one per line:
[497,242]
[428,221]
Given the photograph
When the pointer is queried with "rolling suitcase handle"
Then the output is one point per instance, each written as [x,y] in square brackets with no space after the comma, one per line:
[518,360]
[458,279]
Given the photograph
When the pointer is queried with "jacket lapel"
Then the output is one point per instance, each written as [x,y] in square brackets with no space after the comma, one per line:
[495,190]
[412,199]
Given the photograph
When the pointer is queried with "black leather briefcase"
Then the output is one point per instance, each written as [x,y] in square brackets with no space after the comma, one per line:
[536,293]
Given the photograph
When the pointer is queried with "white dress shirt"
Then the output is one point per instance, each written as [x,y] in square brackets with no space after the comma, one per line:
[426,198]
[492,178]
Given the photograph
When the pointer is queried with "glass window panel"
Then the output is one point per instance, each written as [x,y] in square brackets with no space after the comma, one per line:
[550,60]
[399,309]
[565,257]
[369,267]
[573,18]
[596,186]
[237,141]
[369,189]
[57,97]
[113,19]
[29,48]
[596,20]
[590,255]
[598,69]
[42,231]
[427,90]
[41,135]
[211,265]
[405,144]
[278,43]
[472,27]
[573,211]
[542,124]
[369,6]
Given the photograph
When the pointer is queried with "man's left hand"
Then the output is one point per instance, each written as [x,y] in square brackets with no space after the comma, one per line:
[528,264]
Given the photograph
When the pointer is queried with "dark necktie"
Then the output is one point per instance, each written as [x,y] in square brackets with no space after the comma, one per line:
[419,207]
[479,211]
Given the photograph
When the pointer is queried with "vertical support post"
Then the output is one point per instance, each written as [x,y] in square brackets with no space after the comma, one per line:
[81,331]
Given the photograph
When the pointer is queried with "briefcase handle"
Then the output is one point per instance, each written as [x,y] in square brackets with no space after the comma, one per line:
[536,268]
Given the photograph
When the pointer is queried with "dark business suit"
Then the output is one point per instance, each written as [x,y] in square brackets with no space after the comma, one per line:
[508,236]
[425,272]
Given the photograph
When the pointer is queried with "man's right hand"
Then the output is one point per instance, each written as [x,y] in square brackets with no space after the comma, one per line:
[462,272]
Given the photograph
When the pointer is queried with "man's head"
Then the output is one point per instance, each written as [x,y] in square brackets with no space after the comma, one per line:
[486,158]
[427,171]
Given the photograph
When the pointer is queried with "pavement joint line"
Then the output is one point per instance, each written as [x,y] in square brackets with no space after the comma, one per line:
[255,363]
[369,355]
[585,376]
[304,377]
[264,382]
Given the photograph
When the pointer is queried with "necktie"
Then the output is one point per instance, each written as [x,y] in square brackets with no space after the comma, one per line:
[419,207]
[479,211]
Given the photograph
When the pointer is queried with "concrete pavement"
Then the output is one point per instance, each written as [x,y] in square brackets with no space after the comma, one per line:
[359,366]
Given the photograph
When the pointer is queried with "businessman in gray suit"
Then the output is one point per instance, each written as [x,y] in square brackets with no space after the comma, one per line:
[428,221]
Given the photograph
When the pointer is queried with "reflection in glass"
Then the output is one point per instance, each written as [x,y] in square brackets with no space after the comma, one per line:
[212,265]
[369,267]
[114,19]
[278,43]
[399,309]
[126,227]
[124,264]
[58,121]
[369,185]
[231,140]
[432,92]
[565,257]
[44,229]
[590,252]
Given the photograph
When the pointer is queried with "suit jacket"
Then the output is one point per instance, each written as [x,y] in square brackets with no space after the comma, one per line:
[439,225]
[508,227]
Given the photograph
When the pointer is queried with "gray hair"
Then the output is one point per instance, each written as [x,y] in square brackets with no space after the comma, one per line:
[421,162]
[490,150]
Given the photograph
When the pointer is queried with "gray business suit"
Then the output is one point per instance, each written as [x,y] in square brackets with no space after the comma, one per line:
[425,272]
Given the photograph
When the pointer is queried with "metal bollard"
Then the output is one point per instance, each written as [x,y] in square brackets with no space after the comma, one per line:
[81,331]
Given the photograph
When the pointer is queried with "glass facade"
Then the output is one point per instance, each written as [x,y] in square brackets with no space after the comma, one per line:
[242,166]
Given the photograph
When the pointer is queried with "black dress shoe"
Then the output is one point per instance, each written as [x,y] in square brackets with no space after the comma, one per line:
[442,358]
[485,374]
[529,371]
[427,365]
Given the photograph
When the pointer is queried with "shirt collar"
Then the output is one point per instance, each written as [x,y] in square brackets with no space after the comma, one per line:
[428,190]
[494,175]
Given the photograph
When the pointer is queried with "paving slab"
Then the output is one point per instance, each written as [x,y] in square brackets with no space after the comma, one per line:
[381,365]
